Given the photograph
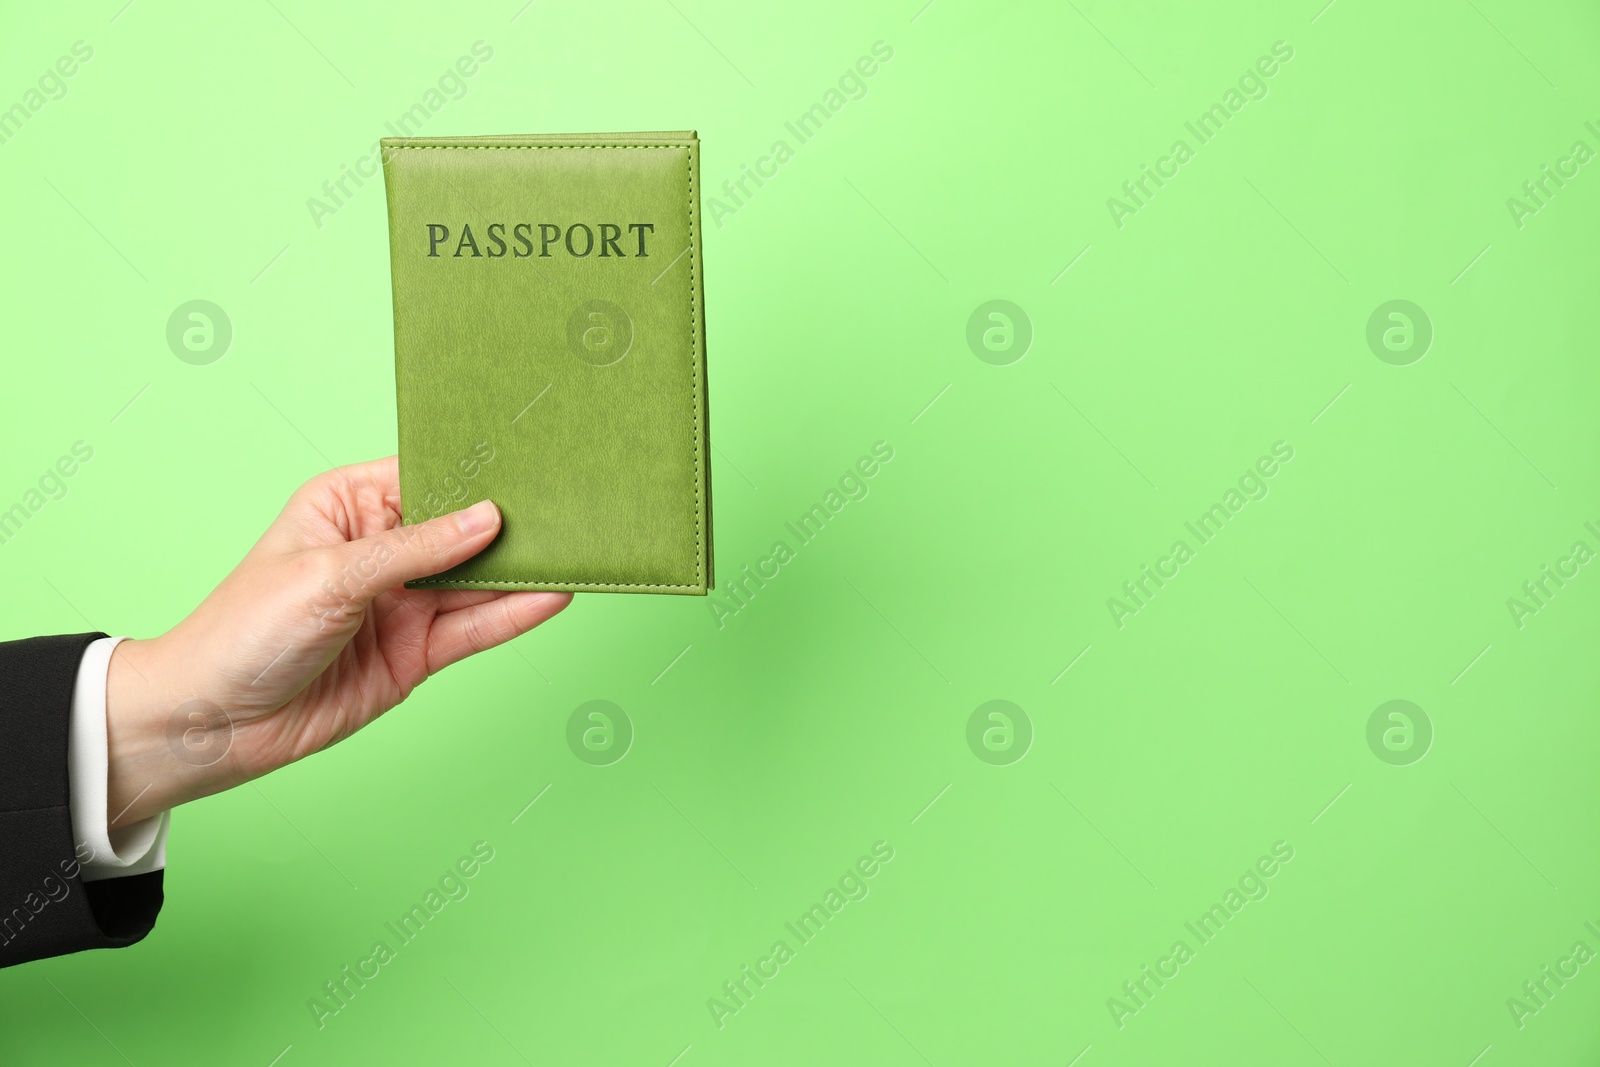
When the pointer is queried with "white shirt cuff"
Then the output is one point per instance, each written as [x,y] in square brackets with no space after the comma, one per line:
[136,849]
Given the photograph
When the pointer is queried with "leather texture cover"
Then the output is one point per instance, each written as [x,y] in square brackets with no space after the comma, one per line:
[550,355]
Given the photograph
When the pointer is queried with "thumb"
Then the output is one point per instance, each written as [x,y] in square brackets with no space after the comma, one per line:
[406,553]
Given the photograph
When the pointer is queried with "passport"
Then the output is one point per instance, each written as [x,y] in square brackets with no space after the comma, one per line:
[549,347]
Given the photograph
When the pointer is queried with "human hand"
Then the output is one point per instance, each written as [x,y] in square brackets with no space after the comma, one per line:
[311,637]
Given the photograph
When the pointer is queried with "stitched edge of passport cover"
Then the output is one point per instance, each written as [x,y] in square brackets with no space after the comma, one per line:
[689,142]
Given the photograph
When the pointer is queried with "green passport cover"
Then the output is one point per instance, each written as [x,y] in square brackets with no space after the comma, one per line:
[549,343]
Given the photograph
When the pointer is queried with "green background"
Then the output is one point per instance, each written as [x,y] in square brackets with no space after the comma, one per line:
[831,712]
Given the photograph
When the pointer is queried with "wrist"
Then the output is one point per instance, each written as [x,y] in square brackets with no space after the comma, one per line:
[163,746]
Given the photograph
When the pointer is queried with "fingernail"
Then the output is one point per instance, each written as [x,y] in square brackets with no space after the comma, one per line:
[478,518]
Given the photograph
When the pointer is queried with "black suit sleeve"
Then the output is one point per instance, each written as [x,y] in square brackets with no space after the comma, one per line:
[45,909]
